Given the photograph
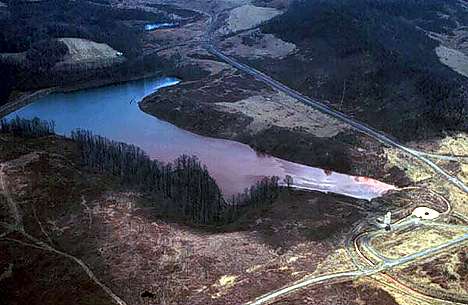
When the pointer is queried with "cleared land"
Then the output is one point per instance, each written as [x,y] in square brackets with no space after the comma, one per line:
[454,59]
[254,44]
[84,50]
[140,255]
[246,17]
[445,275]
[422,176]
[282,111]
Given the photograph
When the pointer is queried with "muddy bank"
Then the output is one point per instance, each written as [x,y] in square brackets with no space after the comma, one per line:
[194,106]
[234,166]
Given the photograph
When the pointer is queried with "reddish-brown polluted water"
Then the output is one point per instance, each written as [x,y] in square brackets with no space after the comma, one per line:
[113,112]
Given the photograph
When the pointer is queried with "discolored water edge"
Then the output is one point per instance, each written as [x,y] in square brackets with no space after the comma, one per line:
[113,112]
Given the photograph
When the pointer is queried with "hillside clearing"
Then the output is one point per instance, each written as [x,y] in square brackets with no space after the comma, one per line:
[83,50]
[283,111]
[454,59]
[246,17]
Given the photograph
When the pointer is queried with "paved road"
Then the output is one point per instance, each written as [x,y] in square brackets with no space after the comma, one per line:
[358,273]
[366,237]
[428,252]
[349,275]
[359,126]
[389,279]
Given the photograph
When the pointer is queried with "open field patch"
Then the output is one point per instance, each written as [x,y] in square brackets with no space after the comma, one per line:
[409,241]
[454,59]
[444,276]
[254,44]
[283,111]
[84,50]
[246,17]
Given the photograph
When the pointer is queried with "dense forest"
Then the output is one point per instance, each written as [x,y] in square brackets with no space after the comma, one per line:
[33,22]
[374,59]
[32,28]
[182,189]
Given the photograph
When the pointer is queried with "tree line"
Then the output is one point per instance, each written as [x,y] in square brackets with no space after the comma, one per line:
[181,189]
[184,187]
[27,128]
[260,195]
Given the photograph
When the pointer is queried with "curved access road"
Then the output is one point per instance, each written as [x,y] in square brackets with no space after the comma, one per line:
[359,126]
[265,299]
[365,236]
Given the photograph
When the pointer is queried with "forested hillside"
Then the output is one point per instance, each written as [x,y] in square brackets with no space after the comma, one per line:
[32,27]
[33,22]
[375,60]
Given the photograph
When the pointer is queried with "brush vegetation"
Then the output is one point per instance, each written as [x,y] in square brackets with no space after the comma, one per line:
[182,189]
[375,60]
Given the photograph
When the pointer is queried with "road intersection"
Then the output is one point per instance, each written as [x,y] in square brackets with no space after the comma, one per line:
[371,268]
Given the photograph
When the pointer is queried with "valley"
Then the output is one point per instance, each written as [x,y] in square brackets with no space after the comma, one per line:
[251,96]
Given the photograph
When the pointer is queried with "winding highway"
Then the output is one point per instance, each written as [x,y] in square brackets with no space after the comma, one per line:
[371,269]
[403,224]
[359,126]
[373,133]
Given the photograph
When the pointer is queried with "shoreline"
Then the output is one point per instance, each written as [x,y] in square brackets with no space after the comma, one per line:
[331,154]
[253,141]
[24,98]
[315,185]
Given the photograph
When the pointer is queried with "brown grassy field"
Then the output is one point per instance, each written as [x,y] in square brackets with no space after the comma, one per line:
[142,256]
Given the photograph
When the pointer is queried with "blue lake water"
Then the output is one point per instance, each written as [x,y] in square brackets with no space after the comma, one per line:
[113,112]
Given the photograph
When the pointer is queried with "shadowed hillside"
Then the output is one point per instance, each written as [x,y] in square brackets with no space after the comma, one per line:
[375,60]
[30,47]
